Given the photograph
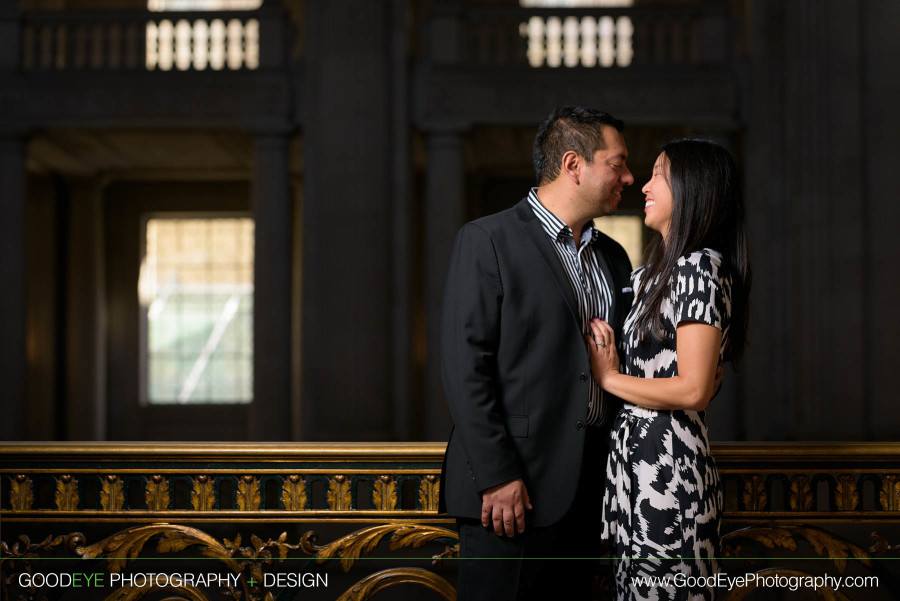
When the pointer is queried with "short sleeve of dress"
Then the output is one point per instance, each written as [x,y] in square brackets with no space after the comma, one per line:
[702,294]
[636,278]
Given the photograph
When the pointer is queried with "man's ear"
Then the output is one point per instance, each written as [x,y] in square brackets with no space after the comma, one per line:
[571,166]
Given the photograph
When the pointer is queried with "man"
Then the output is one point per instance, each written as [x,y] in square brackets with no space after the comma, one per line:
[525,464]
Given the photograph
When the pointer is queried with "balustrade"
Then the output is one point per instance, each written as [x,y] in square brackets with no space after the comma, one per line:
[596,37]
[499,36]
[836,502]
[138,41]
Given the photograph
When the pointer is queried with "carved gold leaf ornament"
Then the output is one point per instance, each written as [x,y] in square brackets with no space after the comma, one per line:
[755,496]
[785,536]
[339,493]
[18,558]
[126,545]
[112,498]
[846,495]
[801,494]
[293,493]
[822,592]
[362,542]
[890,493]
[203,497]
[881,547]
[248,497]
[24,548]
[429,490]
[184,593]
[157,493]
[66,493]
[21,493]
[769,536]
[384,494]
[450,551]
[373,583]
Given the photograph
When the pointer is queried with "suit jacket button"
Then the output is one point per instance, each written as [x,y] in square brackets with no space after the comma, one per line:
[583,377]
[579,425]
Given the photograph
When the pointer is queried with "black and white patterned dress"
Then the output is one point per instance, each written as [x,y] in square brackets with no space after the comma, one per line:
[663,497]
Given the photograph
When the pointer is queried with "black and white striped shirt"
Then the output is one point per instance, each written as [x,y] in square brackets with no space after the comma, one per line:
[592,291]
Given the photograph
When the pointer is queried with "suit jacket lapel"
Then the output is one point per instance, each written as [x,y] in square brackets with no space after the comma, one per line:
[539,236]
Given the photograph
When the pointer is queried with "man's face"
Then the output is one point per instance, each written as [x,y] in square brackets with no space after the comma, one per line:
[607,175]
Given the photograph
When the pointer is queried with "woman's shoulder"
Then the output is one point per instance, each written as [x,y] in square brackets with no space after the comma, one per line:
[705,262]
[701,258]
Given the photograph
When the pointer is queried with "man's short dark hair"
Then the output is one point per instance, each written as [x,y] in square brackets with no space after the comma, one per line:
[569,128]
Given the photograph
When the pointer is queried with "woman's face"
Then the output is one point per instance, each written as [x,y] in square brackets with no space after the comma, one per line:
[658,197]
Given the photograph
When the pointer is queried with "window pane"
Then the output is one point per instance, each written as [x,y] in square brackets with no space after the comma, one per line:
[196,289]
[627,230]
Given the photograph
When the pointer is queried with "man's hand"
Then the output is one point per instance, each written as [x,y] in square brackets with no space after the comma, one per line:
[602,350]
[504,505]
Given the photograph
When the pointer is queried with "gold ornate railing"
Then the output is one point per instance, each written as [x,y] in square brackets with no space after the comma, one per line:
[257,511]
[140,482]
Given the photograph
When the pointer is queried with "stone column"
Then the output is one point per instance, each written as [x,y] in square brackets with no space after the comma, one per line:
[806,207]
[445,212]
[881,47]
[348,222]
[405,425]
[272,34]
[13,344]
[85,350]
[10,35]
[272,210]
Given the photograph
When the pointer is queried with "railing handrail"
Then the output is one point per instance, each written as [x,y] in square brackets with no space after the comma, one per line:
[557,11]
[128,16]
[766,452]
[113,451]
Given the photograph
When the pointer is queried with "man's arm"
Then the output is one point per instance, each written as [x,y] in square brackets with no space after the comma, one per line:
[470,334]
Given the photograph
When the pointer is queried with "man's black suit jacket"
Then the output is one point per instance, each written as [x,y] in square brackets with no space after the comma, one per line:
[515,365]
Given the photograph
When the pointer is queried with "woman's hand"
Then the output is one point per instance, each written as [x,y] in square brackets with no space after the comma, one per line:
[602,347]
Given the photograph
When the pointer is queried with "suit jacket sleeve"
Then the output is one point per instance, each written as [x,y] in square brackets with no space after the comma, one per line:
[470,334]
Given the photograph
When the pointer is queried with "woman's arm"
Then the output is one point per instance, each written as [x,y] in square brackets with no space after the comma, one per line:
[698,357]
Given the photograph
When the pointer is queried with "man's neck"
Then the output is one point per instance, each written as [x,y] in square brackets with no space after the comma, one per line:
[562,202]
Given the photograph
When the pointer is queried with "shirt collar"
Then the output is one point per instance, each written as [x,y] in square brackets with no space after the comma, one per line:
[555,227]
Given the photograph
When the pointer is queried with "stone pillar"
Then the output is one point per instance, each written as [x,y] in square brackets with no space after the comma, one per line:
[85,308]
[405,413]
[272,34]
[272,210]
[45,213]
[806,207]
[445,212]
[348,224]
[445,33]
[882,154]
[10,35]
[13,344]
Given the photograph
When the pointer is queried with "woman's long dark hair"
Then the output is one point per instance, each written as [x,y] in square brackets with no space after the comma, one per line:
[707,212]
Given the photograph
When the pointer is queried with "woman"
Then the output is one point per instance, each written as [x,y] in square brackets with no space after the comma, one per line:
[663,497]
